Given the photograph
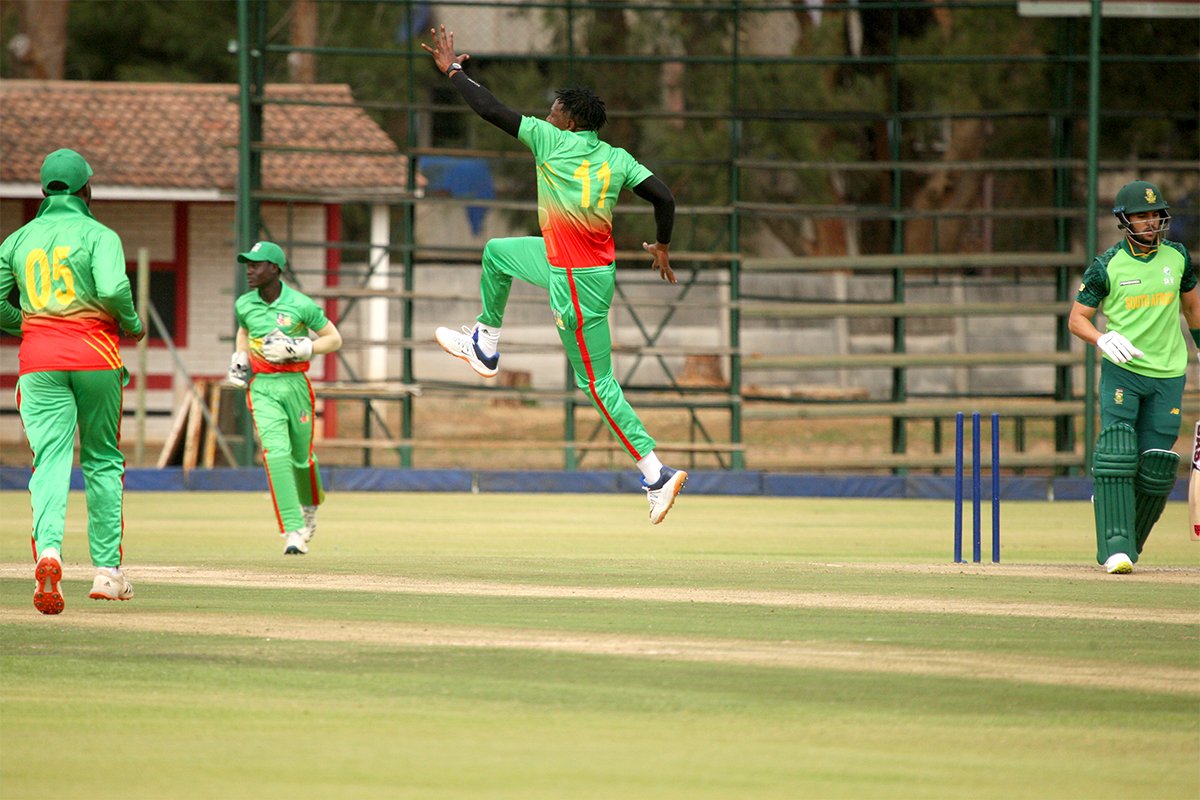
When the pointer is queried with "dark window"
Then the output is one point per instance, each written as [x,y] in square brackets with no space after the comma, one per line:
[162,295]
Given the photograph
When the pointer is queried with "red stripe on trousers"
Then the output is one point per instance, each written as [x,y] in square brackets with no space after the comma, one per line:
[312,422]
[587,365]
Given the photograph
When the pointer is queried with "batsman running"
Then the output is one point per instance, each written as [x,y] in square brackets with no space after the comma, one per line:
[1140,284]
[272,359]
[579,179]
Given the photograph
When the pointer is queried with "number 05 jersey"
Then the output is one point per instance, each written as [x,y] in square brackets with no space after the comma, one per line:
[579,179]
[70,272]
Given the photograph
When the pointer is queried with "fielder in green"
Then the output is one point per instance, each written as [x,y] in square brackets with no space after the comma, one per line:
[272,359]
[69,271]
[579,179]
[1141,284]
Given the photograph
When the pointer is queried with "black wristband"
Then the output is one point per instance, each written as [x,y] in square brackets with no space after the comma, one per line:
[453,68]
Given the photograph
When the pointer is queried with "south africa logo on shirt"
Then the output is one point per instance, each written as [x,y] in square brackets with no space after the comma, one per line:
[283,320]
[1168,278]
[1119,397]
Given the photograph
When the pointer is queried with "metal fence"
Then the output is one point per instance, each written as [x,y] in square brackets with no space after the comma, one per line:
[884,208]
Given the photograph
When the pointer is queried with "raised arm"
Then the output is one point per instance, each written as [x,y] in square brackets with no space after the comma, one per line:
[481,101]
[658,195]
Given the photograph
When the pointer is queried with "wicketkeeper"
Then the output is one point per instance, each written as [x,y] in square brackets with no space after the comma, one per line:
[1141,284]
[272,357]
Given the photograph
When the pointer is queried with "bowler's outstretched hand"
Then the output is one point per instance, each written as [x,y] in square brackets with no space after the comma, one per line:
[443,49]
[662,260]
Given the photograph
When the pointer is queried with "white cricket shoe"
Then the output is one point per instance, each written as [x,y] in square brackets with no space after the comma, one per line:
[47,594]
[1118,564]
[110,584]
[294,544]
[662,493]
[310,522]
[465,345]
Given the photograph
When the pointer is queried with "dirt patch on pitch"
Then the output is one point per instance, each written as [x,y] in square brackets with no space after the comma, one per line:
[849,657]
[837,601]
[852,656]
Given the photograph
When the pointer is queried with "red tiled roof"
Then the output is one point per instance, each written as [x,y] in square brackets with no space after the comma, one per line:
[180,135]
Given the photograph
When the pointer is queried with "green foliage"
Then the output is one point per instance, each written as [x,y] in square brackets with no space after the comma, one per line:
[152,40]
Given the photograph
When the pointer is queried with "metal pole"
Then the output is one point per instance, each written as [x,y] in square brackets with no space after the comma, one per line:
[737,457]
[899,328]
[143,298]
[1093,149]
[249,175]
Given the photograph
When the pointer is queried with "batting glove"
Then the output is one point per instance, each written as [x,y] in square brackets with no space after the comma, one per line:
[1118,348]
[239,370]
[285,350]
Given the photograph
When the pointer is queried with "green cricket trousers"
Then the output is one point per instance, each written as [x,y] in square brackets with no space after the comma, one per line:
[281,404]
[580,299]
[53,405]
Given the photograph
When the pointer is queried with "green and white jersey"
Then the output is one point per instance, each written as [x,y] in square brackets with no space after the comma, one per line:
[293,313]
[579,179]
[1139,294]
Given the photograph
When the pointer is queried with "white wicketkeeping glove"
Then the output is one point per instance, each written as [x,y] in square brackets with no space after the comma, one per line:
[1118,348]
[281,349]
[239,370]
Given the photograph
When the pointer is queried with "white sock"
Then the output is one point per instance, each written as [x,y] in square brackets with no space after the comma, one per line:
[650,467]
[489,339]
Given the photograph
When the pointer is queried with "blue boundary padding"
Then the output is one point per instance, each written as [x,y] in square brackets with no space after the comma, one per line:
[716,482]
[366,479]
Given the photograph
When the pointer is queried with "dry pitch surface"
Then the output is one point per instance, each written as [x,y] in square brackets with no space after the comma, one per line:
[789,654]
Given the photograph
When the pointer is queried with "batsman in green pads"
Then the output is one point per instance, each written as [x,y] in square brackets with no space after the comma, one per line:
[271,360]
[69,271]
[1141,284]
[579,179]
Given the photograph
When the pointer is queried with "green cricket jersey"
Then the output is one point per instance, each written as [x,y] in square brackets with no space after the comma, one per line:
[74,293]
[293,313]
[579,179]
[1139,294]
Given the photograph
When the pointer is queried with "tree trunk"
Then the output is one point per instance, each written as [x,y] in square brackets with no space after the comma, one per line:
[41,47]
[302,67]
[949,190]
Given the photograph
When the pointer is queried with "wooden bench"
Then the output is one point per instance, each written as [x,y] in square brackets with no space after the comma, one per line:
[830,310]
[926,461]
[910,360]
[919,261]
[1006,407]
[519,444]
[355,390]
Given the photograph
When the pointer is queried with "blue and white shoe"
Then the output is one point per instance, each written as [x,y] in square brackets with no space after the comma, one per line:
[294,543]
[465,345]
[662,493]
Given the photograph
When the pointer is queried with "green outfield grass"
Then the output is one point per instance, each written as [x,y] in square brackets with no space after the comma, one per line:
[559,646]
